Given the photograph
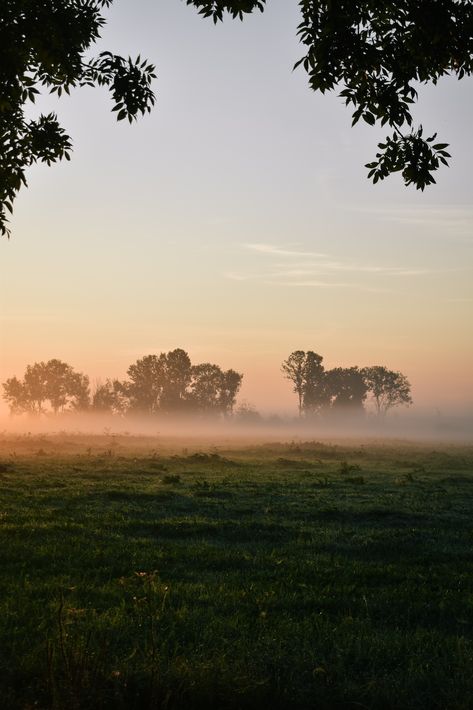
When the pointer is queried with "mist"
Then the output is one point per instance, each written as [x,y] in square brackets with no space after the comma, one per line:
[410,425]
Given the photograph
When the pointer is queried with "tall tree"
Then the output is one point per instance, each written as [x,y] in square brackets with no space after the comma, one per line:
[387,387]
[315,395]
[64,387]
[145,385]
[35,384]
[16,396]
[79,389]
[110,396]
[375,51]
[346,388]
[230,383]
[53,381]
[205,388]
[293,369]
[176,379]
[306,372]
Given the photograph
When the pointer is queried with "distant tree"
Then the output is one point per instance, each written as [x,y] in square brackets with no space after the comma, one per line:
[246,413]
[170,383]
[54,381]
[110,397]
[346,388]
[79,391]
[230,383]
[145,385]
[64,387]
[205,388]
[16,396]
[177,375]
[293,369]
[306,372]
[315,395]
[212,390]
[35,386]
[388,388]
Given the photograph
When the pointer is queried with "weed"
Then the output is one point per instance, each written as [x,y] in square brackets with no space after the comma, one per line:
[346,468]
[321,482]
[76,663]
[171,478]
[157,466]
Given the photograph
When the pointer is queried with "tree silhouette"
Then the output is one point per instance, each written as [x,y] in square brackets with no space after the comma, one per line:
[306,372]
[346,388]
[246,413]
[16,396]
[388,388]
[293,369]
[169,383]
[375,51]
[54,381]
[230,383]
[176,380]
[146,382]
[44,45]
[205,388]
[109,396]
[314,392]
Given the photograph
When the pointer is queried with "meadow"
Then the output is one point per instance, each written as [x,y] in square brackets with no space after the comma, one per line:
[144,573]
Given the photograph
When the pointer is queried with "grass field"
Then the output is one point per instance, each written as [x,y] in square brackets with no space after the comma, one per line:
[135,573]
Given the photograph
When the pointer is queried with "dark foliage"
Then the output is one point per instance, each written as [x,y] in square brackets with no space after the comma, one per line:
[166,383]
[375,51]
[43,46]
[54,381]
[343,388]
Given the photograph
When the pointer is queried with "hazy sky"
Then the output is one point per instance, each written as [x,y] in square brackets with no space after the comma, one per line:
[236,222]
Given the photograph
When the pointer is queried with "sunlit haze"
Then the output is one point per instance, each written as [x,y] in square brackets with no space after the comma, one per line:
[236,222]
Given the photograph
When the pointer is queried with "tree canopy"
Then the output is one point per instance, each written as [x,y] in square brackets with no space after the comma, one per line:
[343,389]
[307,374]
[167,383]
[388,388]
[374,52]
[53,381]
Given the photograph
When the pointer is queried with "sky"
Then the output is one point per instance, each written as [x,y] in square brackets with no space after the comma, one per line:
[236,221]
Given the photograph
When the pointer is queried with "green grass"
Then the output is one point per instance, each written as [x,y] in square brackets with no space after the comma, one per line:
[136,574]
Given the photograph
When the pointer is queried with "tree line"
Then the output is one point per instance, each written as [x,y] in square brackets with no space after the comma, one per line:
[164,383]
[169,383]
[343,388]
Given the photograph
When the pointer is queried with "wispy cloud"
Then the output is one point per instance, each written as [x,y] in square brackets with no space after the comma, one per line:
[289,266]
[274,250]
[457,218]
[327,266]
[314,283]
